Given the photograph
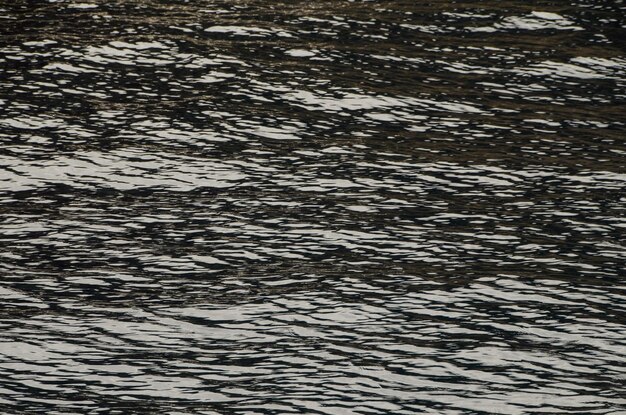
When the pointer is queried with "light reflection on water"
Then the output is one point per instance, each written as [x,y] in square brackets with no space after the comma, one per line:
[333,207]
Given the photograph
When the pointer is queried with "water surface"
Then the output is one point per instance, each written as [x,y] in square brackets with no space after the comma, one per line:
[329,207]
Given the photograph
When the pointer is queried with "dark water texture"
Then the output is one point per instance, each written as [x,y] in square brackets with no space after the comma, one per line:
[312,207]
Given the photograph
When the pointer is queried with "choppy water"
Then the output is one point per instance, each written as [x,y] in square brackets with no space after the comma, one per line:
[320,207]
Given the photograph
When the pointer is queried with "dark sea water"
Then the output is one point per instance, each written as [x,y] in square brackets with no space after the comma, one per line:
[312,207]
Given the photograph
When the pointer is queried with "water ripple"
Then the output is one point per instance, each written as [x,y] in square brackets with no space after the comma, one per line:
[295,207]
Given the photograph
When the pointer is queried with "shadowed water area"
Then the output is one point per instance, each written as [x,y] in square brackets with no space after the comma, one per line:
[312,207]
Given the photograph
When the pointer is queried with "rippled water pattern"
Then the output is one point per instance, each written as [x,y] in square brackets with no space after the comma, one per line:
[312,207]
